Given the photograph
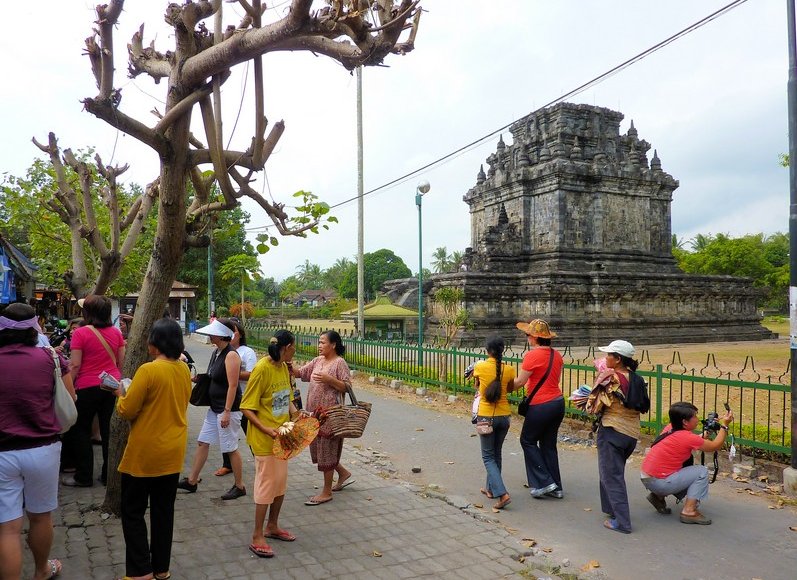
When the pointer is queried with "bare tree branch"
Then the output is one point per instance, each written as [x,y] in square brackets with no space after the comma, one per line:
[146,60]
[107,14]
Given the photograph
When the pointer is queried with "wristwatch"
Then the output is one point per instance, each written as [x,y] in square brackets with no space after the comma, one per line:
[725,427]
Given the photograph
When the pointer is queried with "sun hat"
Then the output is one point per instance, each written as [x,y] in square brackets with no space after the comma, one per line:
[216,328]
[621,347]
[537,328]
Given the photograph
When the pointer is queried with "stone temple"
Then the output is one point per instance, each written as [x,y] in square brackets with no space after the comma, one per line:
[572,223]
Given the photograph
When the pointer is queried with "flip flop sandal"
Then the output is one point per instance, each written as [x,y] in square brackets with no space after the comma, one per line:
[163,577]
[614,526]
[502,504]
[346,483]
[487,493]
[313,501]
[261,551]
[282,535]
[55,567]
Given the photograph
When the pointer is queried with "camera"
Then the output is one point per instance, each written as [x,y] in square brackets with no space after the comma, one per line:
[469,371]
[711,422]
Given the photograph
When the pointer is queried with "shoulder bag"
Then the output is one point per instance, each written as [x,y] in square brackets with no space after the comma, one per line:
[200,392]
[64,404]
[523,406]
[104,344]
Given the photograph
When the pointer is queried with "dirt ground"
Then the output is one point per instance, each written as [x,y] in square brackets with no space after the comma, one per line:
[744,360]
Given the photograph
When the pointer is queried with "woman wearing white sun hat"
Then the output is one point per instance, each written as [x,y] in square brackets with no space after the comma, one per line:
[223,420]
[618,430]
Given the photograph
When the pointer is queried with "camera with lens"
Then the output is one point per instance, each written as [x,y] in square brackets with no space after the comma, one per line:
[711,422]
[469,371]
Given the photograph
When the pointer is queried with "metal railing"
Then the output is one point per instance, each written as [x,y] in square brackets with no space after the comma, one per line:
[761,405]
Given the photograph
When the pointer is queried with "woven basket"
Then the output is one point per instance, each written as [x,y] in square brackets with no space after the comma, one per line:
[347,420]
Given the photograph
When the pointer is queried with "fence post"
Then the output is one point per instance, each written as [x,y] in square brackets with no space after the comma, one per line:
[659,390]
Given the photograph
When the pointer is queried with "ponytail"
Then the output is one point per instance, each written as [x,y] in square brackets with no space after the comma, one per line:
[495,347]
[281,339]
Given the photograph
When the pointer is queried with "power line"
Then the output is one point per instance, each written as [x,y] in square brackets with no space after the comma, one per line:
[581,88]
[576,91]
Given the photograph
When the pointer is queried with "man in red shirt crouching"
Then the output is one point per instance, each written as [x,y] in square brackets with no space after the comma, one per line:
[663,469]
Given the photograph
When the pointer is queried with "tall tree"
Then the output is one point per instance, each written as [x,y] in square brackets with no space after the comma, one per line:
[353,33]
[440,260]
[241,267]
[79,224]
[379,266]
[310,276]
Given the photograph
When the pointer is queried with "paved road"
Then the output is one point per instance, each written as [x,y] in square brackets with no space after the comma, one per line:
[746,540]
[419,535]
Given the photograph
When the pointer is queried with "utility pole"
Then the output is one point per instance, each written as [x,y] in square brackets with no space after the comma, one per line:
[360,210]
[790,474]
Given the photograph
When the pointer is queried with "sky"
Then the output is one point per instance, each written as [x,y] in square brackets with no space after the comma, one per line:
[713,104]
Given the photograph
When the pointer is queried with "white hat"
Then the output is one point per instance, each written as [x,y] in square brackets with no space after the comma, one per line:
[621,347]
[80,302]
[216,328]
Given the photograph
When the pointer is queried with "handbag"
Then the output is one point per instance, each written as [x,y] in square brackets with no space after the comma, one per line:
[347,420]
[485,426]
[200,392]
[523,406]
[63,403]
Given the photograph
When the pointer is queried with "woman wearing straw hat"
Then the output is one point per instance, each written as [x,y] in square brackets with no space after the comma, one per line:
[223,420]
[540,372]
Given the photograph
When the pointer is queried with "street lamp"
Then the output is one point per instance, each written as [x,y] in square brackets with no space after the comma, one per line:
[422,188]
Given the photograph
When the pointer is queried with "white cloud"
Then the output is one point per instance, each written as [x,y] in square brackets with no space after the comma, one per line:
[713,103]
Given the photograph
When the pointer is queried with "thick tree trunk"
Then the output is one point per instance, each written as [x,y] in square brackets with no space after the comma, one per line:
[167,253]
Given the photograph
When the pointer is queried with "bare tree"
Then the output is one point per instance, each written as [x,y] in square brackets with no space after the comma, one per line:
[352,32]
[76,210]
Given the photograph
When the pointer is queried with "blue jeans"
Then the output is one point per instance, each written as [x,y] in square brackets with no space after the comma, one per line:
[491,454]
[691,482]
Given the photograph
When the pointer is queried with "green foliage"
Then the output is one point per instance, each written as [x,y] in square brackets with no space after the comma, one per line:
[443,262]
[452,316]
[379,266]
[41,235]
[229,239]
[763,259]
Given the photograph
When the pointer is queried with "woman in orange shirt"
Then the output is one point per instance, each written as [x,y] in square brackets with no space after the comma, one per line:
[541,370]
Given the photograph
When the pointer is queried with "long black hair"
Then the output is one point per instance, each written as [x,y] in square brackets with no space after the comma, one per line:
[282,338]
[628,362]
[495,348]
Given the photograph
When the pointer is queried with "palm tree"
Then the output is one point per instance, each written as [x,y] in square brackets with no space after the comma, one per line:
[241,266]
[456,261]
[440,260]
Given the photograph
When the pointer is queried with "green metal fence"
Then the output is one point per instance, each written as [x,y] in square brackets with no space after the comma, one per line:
[761,405]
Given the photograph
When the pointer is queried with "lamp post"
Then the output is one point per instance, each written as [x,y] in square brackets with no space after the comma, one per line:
[422,188]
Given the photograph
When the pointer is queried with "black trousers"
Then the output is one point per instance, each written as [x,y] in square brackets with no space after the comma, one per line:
[226,456]
[91,401]
[143,557]
[538,439]
[614,449]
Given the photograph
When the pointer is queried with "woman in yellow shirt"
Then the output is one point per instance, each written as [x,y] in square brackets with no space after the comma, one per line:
[155,404]
[494,379]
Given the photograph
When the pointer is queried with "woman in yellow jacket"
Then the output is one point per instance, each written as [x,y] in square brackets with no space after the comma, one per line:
[155,404]
[493,379]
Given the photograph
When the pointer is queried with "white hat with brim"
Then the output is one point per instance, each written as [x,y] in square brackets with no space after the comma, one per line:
[80,302]
[216,328]
[621,347]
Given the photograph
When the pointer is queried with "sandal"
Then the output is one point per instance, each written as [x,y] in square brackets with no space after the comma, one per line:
[503,503]
[261,551]
[282,535]
[222,471]
[487,493]
[614,526]
[55,568]
[316,501]
[164,576]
